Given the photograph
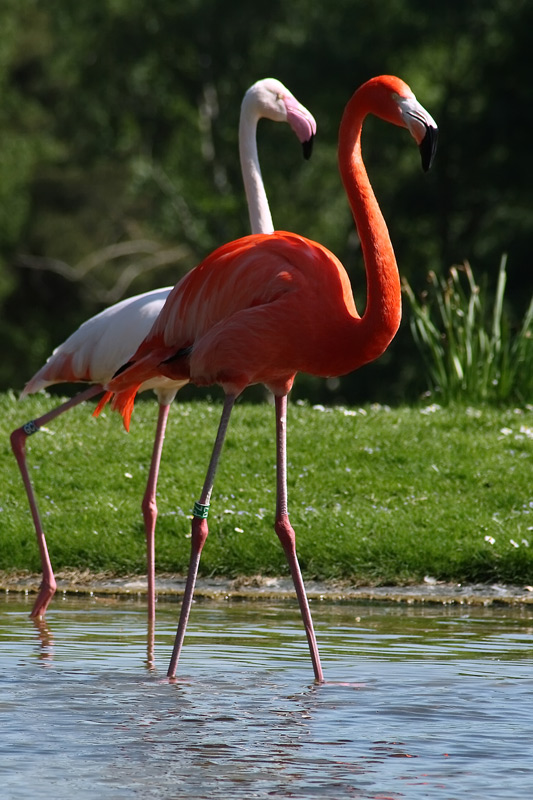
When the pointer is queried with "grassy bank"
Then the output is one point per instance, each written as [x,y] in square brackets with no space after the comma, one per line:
[376,495]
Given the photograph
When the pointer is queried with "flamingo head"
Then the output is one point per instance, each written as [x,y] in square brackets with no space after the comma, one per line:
[391,99]
[271,99]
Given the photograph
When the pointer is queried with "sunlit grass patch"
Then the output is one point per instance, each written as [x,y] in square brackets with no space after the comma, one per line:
[375,494]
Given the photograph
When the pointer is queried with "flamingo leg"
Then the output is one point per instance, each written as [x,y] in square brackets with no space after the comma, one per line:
[150,645]
[199,533]
[286,534]
[18,445]
[149,506]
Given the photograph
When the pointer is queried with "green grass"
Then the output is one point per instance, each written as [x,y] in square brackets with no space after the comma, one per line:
[375,495]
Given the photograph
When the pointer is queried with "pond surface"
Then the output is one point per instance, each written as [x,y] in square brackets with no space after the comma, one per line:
[420,702]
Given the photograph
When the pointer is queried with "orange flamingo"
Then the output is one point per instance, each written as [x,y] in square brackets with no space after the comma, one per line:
[97,349]
[262,308]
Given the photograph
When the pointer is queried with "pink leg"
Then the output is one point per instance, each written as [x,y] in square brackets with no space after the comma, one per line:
[199,534]
[287,536]
[149,507]
[18,445]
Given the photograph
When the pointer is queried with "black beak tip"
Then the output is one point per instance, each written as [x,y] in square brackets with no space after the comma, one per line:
[428,147]
[308,148]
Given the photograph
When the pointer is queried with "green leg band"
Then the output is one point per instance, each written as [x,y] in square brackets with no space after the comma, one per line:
[201,510]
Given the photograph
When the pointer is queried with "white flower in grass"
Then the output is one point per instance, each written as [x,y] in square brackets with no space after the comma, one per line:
[515,544]
[506,431]
[432,409]
[490,539]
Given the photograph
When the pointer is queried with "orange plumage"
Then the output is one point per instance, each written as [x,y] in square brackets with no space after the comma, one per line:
[240,318]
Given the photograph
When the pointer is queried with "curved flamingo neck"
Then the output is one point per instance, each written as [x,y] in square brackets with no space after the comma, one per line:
[381,319]
[258,208]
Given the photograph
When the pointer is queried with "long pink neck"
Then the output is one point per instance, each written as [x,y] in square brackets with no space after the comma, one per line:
[383,307]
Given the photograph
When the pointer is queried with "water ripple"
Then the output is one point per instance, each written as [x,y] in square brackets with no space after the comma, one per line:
[418,703]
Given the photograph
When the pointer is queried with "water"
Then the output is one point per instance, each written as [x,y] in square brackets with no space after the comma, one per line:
[420,703]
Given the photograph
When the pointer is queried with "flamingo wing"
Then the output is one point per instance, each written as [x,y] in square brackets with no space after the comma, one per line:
[94,352]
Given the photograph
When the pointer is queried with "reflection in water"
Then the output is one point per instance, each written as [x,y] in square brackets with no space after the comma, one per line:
[419,703]
[46,640]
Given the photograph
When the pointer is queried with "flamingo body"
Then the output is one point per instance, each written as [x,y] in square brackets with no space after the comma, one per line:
[257,310]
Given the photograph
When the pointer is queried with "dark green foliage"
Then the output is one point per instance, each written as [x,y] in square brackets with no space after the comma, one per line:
[118,126]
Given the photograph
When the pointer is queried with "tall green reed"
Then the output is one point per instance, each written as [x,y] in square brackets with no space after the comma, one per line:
[471,349]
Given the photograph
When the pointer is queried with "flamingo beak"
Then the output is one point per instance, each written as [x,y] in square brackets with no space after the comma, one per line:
[421,126]
[307,147]
[428,146]
[302,123]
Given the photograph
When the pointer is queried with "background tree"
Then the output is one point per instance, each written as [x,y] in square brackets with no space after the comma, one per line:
[119,165]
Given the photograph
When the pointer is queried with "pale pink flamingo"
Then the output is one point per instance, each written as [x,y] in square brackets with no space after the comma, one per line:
[95,351]
[262,308]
